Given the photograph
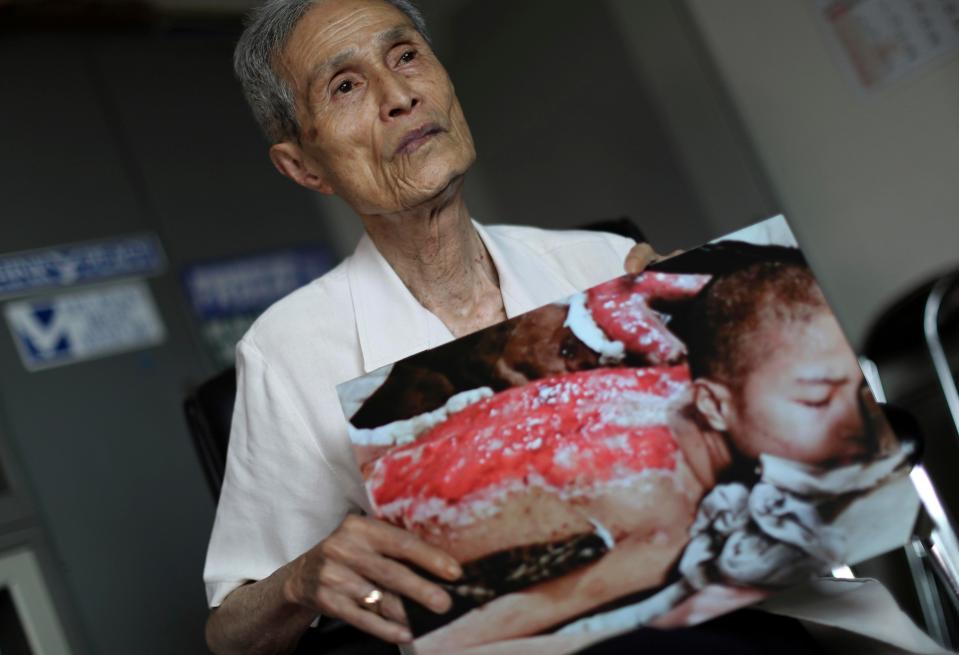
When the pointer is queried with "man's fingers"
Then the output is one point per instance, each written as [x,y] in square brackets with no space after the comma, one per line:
[400,544]
[642,255]
[399,579]
[390,605]
[379,626]
[375,561]
[639,257]
[341,580]
[392,608]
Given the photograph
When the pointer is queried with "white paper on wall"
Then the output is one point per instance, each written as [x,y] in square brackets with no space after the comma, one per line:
[80,325]
[880,41]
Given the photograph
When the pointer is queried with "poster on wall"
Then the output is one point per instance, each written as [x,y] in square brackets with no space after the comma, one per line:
[227,295]
[76,326]
[880,41]
[43,269]
[654,451]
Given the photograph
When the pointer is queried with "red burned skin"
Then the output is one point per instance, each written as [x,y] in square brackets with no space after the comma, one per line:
[569,431]
[621,309]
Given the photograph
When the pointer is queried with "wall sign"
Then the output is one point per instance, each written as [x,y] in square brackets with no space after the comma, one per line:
[879,41]
[48,268]
[244,284]
[228,295]
[80,325]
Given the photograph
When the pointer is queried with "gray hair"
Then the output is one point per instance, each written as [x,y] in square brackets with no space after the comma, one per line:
[269,26]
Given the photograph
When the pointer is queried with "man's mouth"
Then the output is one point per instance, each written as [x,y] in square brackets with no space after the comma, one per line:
[413,139]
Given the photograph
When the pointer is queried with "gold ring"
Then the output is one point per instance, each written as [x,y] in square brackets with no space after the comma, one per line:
[373,600]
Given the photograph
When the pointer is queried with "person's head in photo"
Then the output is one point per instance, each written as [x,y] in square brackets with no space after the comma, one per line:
[772,369]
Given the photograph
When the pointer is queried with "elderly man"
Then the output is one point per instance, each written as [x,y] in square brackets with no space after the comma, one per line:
[356,104]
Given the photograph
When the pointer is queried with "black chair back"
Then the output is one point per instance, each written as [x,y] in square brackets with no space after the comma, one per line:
[900,346]
[209,412]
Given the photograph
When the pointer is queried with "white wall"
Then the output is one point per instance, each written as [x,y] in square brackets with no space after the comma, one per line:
[870,182]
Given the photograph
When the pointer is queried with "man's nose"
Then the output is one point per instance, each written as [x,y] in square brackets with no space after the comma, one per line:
[397,96]
[852,421]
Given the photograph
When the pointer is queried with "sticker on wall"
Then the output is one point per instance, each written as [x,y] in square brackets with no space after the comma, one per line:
[82,263]
[81,325]
[228,295]
[880,41]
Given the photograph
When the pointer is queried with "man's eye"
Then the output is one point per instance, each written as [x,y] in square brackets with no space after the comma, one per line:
[408,56]
[344,87]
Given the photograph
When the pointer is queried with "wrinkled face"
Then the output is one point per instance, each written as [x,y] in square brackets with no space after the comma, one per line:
[802,401]
[380,122]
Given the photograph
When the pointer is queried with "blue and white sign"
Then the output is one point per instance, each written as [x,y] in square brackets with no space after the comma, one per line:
[81,325]
[26,272]
[227,295]
[243,285]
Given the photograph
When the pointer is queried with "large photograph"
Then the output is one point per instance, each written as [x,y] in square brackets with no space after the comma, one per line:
[654,451]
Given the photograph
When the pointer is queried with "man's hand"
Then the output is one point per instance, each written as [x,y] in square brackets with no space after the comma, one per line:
[269,617]
[364,554]
[642,255]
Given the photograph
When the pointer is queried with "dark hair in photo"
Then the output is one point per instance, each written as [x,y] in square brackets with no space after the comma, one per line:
[753,287]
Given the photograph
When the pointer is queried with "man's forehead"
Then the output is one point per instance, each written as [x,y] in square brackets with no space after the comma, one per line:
[342,57]
[332,31]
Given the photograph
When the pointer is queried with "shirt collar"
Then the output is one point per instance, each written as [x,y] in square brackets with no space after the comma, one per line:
[527,279]
[391,324]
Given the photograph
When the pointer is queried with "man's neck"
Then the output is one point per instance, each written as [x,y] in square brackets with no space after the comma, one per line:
[438,254]
[706,450]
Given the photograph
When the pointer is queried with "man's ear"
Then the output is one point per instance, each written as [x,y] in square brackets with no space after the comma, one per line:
[714,402]
[290,160]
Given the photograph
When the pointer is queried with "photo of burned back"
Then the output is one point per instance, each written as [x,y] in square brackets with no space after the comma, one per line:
[654,451]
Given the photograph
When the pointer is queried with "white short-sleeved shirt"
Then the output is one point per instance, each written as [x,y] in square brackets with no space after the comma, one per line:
[290,475]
